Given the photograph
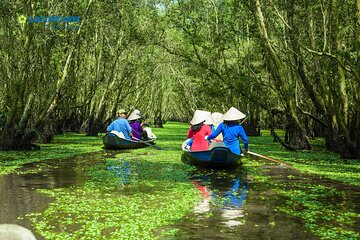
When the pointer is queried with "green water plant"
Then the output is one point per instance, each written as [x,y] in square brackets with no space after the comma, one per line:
[64,146]
[128,196]
[138,193]
[317,161]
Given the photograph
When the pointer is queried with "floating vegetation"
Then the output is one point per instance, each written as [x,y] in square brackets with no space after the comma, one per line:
[317,161]
[125,197]
[144,193]
[64,146]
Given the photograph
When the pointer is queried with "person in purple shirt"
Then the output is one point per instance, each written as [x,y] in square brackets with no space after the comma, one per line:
[121,125]
[231,131]
[137,130]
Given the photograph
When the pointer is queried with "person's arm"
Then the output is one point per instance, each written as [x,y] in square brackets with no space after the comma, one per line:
[244,138]
[216,132]
[128,128]
[110,127]
[190,133]
[141,130]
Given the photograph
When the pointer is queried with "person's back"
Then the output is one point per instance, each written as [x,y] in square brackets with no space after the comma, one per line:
[137,130]
[231,131]
[217,119]
[214,121]
[199,130]
[121,125]
[149,132]
[199,143]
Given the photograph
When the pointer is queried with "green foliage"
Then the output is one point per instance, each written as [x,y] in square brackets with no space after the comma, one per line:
[317,161]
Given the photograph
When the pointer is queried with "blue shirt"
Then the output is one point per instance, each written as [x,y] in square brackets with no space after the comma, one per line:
[121,125]
[231,132]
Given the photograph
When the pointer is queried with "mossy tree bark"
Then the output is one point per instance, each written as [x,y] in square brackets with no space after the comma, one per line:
[279,73]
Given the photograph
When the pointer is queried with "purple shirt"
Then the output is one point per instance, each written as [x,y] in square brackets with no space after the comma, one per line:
[136,129]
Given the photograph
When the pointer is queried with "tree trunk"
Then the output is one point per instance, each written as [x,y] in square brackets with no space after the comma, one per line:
[158,122]
[251,126]
[278,72]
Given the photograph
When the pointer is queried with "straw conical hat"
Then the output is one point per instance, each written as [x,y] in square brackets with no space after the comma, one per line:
[209,121]
[199,117]
[133,116]
[137,111]
[217,118]
[233,114]
[13,231]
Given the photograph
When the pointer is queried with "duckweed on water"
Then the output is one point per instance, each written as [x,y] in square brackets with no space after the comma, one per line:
[328,220]
[126,197]
[323,209]
[318,161]
[136,193]
[64,146]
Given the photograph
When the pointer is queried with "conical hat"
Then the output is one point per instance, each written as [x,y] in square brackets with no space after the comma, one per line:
[137,111]
[133,116]
[209,121]
[233,114]
[217,118]
[199,117]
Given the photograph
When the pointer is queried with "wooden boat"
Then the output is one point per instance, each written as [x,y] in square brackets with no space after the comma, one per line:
[218,155]
[111,141]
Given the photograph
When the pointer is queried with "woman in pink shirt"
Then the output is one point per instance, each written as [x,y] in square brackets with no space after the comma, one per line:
[199,130]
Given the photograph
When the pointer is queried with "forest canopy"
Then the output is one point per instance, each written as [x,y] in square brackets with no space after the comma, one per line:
[293,65]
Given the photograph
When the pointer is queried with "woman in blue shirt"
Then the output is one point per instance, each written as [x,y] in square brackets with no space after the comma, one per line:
[231,131]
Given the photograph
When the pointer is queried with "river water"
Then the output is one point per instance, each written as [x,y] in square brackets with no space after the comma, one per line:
[232,205]
[233,208]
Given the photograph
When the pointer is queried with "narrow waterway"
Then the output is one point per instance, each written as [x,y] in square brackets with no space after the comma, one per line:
[234,208]
[233,205]
[18,195]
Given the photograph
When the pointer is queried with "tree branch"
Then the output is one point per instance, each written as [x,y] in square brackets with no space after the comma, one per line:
[334,57]
[277,138]
[313,117]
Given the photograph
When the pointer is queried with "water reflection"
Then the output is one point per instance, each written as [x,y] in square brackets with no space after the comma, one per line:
[224,191]
[121,171]
[234,207]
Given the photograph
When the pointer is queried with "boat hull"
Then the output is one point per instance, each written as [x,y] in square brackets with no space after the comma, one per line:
[111,141]
[216,157]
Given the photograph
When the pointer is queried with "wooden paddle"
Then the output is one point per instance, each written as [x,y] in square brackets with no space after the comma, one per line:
[256,155]
[149,144]
[243,120]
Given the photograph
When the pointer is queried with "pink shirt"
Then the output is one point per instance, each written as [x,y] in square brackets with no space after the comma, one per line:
[200,143]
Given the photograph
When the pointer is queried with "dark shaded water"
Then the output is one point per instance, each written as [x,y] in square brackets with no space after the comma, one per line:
[249,211]
[233,207]
[18,194]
